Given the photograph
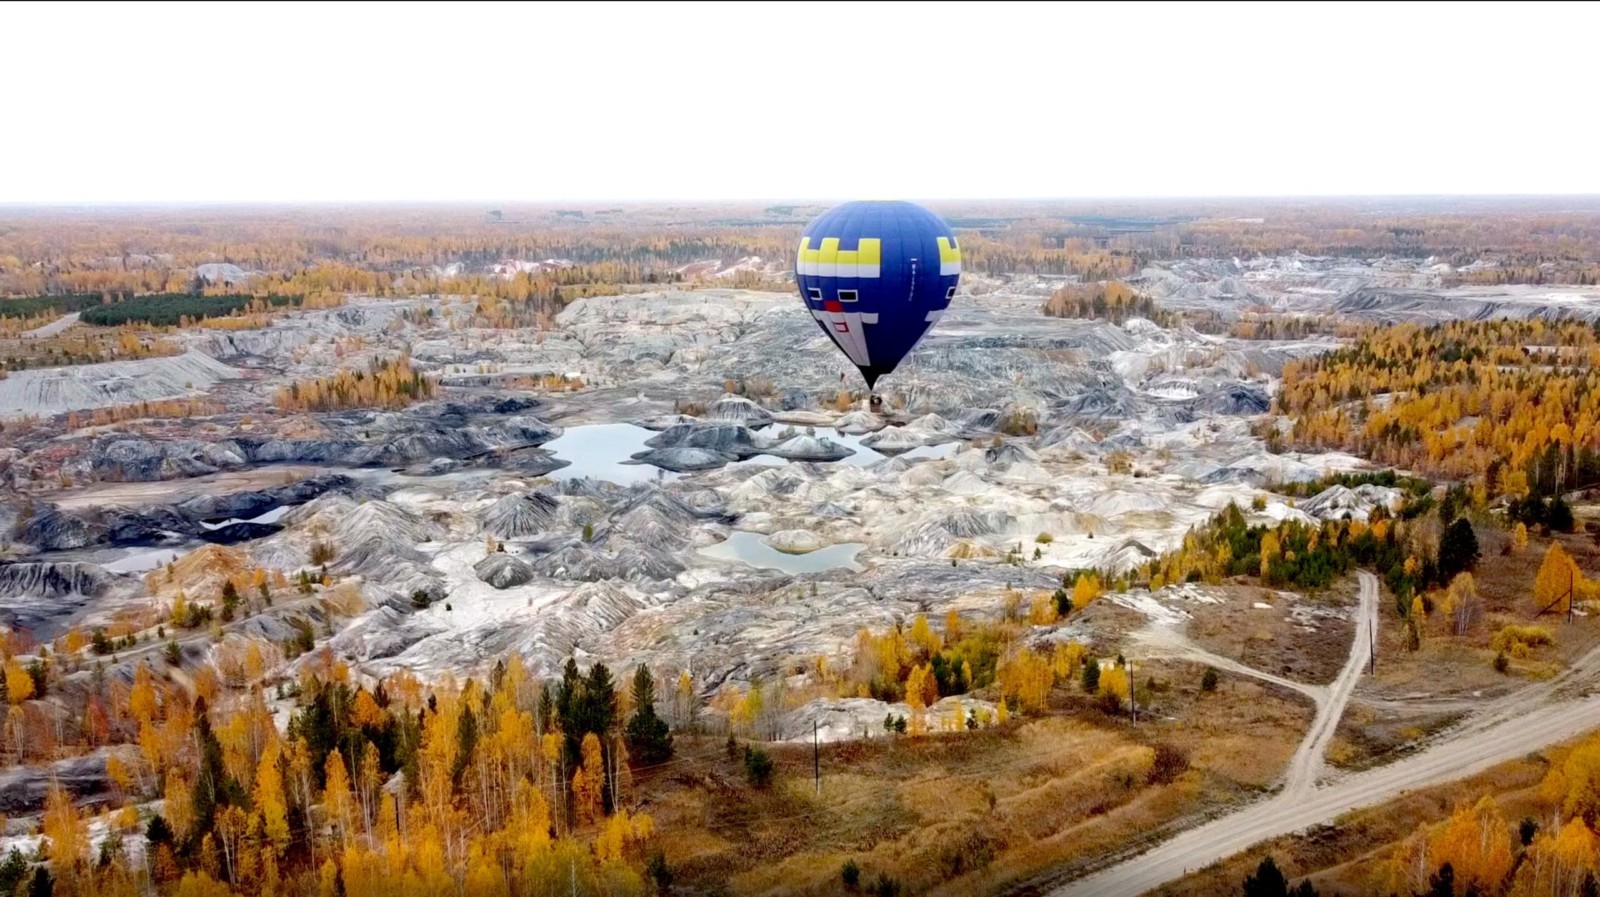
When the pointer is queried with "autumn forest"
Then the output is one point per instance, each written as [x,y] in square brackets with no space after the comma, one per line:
[556,550]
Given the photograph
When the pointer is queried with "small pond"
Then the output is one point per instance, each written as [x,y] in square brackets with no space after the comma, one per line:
[598,450]
[749,548]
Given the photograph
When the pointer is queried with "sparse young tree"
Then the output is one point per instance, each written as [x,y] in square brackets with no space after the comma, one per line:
[1558,578]
[758,767]
[1458,550]
[1267,881]
[649,737]
[1091,676]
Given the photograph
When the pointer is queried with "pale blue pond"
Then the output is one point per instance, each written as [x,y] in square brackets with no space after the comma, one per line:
[749,548]
[598,450]
[601,450]
[272,516]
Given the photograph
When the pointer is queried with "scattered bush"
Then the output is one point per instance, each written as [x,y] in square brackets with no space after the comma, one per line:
[1527,830]
[1560,518]
[971,853]
[322,553]
[304,639]
[1169,763]
[1519,641]
[1267,880]
[1020,422]
[1458,550]
[1091,676]
[757,767]
[230,600]
[885,886]
[659,873]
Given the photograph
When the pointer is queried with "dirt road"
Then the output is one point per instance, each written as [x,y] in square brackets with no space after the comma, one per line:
[1287,813]
[52,328]
[1163,640]
[1530,719]
[1305,767]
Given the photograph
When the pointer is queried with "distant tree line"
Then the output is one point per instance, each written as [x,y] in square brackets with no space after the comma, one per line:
[33,306]
[1110,301]
[1300,555]
[1415,487]
[169,309]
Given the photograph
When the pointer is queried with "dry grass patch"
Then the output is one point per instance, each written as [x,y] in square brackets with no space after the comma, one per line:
[978,811]
[1305,638]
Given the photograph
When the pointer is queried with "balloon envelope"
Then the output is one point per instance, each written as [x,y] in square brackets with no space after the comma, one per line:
[876,276]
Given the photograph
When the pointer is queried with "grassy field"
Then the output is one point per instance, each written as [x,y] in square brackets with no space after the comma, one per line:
[980,811]
[1306,638]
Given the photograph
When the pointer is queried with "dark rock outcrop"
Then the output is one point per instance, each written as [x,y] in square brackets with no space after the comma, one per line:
[146,526]
[44,579]
[520,516]
[53,530]
[684,458]
[234,533]
[729,439]
[503,571]
[23,788]
[244,505]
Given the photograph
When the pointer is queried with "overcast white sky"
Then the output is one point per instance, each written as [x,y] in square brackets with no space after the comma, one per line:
[394,101]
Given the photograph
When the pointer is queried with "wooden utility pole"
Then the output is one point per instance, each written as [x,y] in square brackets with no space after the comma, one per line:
[613,770]
[816,759]
[1133,700]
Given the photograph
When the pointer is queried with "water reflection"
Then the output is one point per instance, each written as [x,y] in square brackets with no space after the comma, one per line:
[752,549]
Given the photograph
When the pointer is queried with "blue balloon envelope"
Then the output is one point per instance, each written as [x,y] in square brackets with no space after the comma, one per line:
[877,276]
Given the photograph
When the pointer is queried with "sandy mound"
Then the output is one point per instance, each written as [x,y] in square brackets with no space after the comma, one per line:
[55,390]
[810,448]
[738,410]
[858,422]
[794,541]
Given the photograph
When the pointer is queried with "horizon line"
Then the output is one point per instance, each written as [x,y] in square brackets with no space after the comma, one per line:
[279,203]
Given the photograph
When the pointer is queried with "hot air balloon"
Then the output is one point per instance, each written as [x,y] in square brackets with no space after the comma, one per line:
[877,276]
